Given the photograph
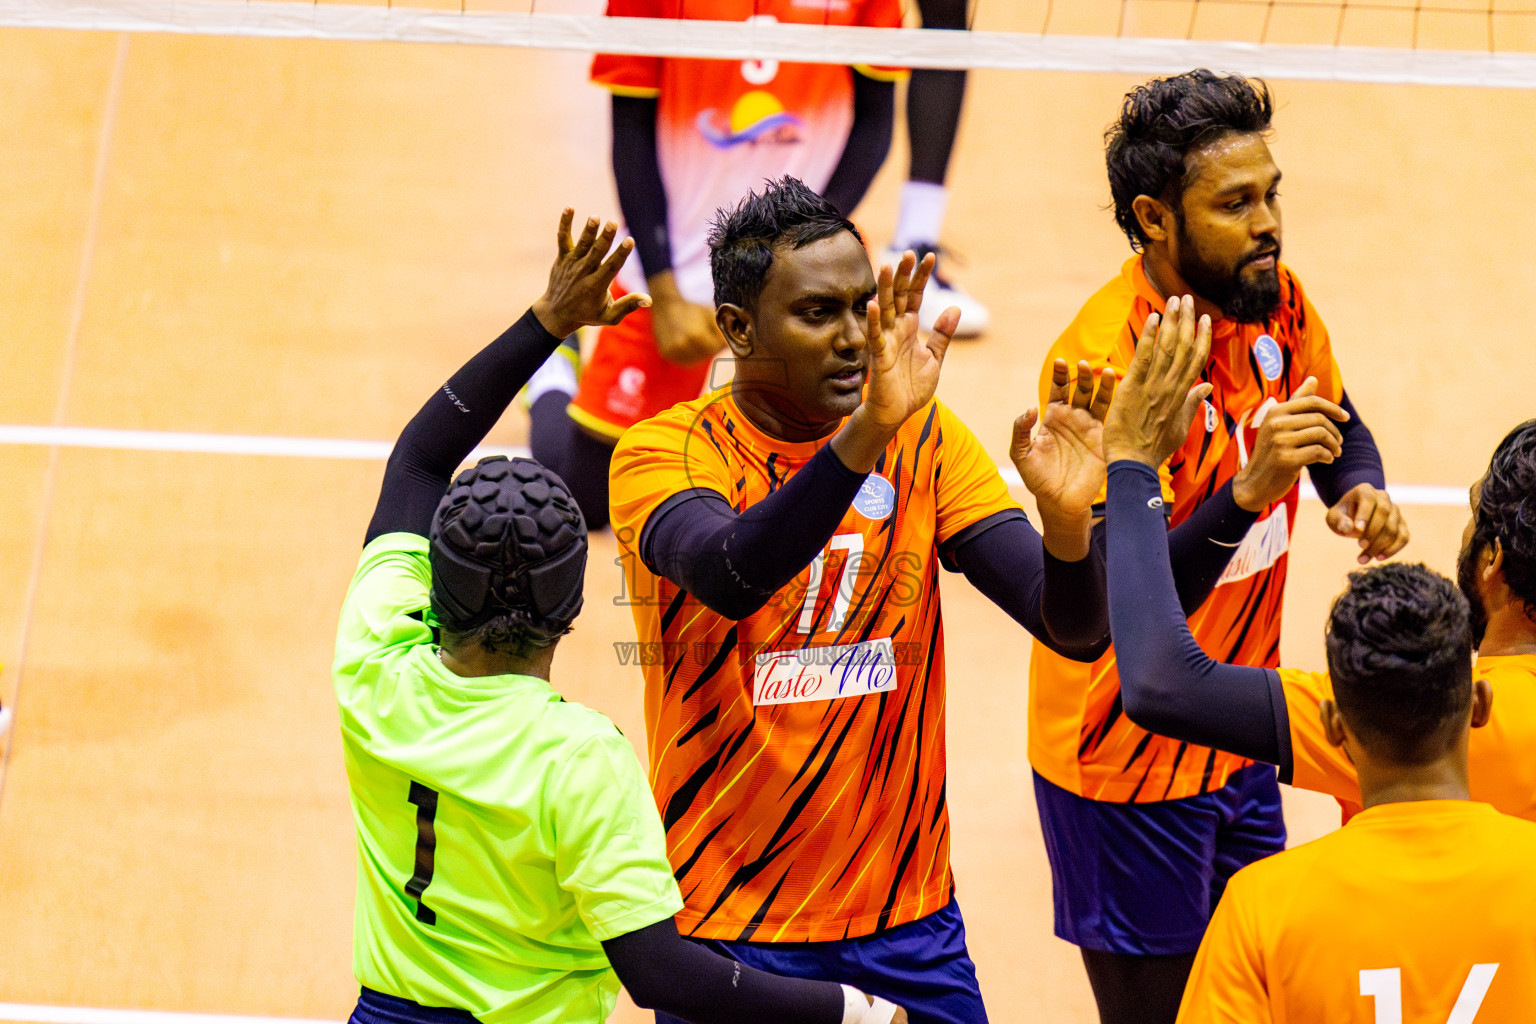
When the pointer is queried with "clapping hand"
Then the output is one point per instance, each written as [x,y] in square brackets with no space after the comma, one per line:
[578,294]
[903,366]
[1295,434]
[1063,463]
[1159,398]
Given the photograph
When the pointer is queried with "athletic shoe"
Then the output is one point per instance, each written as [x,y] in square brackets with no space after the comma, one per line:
[943,293]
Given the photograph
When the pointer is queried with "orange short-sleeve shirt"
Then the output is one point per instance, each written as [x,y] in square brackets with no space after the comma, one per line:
[1079,738]
[1499,755]
[1406,914]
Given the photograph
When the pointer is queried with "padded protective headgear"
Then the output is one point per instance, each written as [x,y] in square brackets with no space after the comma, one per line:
[508,538]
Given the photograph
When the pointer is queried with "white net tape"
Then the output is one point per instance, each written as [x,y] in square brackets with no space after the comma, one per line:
[771,41]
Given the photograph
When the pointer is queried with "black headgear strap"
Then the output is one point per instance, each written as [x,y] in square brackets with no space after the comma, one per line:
[472,591]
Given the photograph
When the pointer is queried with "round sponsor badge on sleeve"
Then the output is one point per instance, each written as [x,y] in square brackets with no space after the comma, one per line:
[876,498]
[1267,351]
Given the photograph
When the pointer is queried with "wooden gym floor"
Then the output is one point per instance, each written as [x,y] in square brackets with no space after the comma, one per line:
[301,239]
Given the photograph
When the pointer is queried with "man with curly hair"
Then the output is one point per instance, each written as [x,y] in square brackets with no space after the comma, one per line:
[1420,908]
[1143,830]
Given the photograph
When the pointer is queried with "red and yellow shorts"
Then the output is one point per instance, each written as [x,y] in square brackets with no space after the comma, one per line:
[627,380]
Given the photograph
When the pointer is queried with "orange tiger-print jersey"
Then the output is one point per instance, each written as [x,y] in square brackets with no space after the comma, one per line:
[1079,738]
[803,794]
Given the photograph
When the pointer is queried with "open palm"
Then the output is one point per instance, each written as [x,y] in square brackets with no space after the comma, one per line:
[1062,463]
[578,292]
[903,366]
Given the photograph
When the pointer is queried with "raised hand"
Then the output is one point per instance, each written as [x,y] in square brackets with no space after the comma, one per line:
[903,366]
[1371,517]
[1063,464]
[1159,398]
[1294,435]
[578,294]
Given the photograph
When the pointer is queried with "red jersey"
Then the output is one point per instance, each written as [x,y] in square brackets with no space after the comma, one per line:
[797,755]
[1079,737]
[723,127]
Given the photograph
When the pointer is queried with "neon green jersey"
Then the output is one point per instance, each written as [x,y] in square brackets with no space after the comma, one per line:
[502,833]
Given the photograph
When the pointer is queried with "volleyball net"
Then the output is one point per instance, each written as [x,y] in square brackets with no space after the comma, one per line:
[1488,43]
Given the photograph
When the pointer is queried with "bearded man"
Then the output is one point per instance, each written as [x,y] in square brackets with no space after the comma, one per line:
[1143,831]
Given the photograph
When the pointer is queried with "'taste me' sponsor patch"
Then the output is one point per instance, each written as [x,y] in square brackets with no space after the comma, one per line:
[824,673]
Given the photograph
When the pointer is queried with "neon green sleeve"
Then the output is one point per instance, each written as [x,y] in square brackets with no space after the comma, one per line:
[610,851]
[386,605]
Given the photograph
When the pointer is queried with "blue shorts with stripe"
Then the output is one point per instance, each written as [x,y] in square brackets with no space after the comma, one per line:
[1144,878]
[922,966]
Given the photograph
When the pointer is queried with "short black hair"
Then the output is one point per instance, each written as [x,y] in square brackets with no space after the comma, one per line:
[1161,122]
[1506,510]
[786,214]
[1400,654]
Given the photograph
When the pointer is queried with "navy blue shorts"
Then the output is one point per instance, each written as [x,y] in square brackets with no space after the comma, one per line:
[921,965]
[380,1008]
[1144,878]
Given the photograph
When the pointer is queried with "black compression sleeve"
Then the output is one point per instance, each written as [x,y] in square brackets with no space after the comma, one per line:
[1358,463]
[455,419]
[1168,685]
[869,140]
[1061,603]
[665,972]
[637,173]
[734,562]
[1201,546]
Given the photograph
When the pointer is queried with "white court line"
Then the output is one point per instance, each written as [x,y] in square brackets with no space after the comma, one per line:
[211,444]
[378,451]
[92,1015]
